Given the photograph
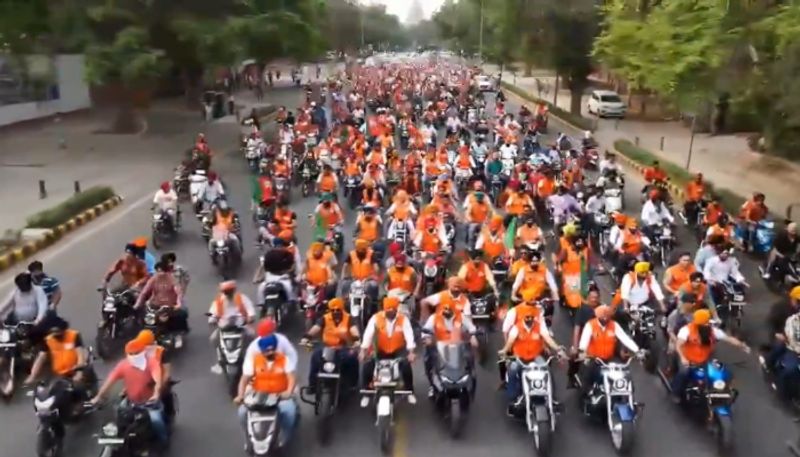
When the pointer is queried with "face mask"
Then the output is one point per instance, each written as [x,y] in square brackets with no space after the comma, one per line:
[528,321]
[603,321]
[138,360]
[327,204]
[391,315]
[455,293]
[229,295]
[270,356]
[448,314]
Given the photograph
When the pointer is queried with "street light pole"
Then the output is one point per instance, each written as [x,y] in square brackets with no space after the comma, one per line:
[480,36]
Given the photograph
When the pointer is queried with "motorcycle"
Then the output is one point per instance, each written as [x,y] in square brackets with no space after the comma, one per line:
[540,409]
[483,315]
[613,199]
[163,227]
[197,186]
[180,182]
[496,187]
[16,354]
[453,385]
[784,273]
[360,307]
[335,239]
[307,177]
[156,319]
[500,267]
[643,331]
[664,242]
[433,272]
[601,232]
[253,156]
[709,396]
[263,426]
[327,394]
[731,301]
[313,304]
[385,389]
[611,400]
[351,186]
[222,255]
[55,406]
[273,304]
[229,351]
[130,434]
[117,321]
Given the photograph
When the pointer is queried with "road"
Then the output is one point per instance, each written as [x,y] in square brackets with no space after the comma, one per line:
[207,425]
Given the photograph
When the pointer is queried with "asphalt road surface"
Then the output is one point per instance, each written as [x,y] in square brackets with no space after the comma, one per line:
[207,425]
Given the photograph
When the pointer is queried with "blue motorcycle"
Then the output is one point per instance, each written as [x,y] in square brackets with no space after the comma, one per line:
[709,396]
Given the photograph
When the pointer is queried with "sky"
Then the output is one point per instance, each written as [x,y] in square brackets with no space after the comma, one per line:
[400,8]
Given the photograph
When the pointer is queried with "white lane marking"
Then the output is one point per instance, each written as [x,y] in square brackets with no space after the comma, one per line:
[80,236]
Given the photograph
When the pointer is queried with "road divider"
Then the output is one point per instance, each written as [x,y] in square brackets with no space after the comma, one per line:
[575,121]
[50,235]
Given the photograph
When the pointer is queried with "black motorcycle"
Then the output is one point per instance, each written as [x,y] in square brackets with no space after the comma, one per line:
[130,434]
[274,303]
[784,273]
[328,393]
[157,320]
[56,403]
[117,321]
[162,228]
[483,309]
[308,178]
[453,385]
[17,354]
[664,243]
[352,185]
[643,330]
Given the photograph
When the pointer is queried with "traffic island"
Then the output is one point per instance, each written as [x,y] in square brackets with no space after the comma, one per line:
[47,227]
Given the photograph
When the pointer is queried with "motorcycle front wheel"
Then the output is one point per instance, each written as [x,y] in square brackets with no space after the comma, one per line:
[325,411]
[104,342]
[456,417]
[724,434]
[386,434]
[622,435]
[48,444]
[543,438]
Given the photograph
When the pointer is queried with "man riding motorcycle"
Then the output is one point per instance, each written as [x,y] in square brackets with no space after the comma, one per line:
[131,268]
[477,275]
[362,264]
[534,277]
[445,326]
[230,306]
[225,222]
[166,200]
[338,331]
[162,289]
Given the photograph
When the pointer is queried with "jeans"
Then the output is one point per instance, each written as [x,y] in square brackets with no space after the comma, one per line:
[589,375]
[680,380]
[514,384]
[406,373]
[159,426]
[287,419]
[786,366]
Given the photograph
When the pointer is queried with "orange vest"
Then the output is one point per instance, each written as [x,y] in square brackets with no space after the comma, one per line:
[545,187]
[270,377]
[516,204]
[430,243]
[219,304]
[63,354]
[401,211]
[604,340]
[534,280]
[361,269]
[284,218]
[694,350]
[572,262]
[679,276]
[695,191]
[317,271]
[401,280]
[475,277]
[631,244]
[334,335]
[327,182]
[529,234]
[389,344]
[226,222]
[529,343]
[493,246]
[479,212]
[446,299]
[442,333]
[367,230]
[463,162]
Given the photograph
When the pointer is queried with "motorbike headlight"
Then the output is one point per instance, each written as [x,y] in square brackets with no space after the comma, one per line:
[385,375]
[5,336]
[328,367]
[464,378]
[430,270]
[220,243]
[110,429]
[719,384]
[621,384]
[150,319]
[156,217]
[537,383]
[44,405]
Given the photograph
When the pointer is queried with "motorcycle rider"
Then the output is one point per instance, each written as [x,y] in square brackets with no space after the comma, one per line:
[327,182]
[162,289]
[653,176]
[695,193]
[328,213]
[631,245]
[454,296]
[225,221]
[639,288]
[751,213]
[269,371]
[518,203]
[131,268]
[318,271]
[339,332]
[563,204]
[368,228]
[609,164]
[362,264]
[599,340]
[783,356]
[400,277]
[526,340]
[50,285]
[68,359]
[284,217]
[695,346]
[477,275]
[27,303]
[785,246]
[277,266]
[228,306]
[723,228]
[142,378]
[167,202]
[211,192]
[432,238]
[159,355]
[445,326]
[492,239]
[391,335]
[180,273]
[535,277]
[678,275]
[720,269]
[654,213]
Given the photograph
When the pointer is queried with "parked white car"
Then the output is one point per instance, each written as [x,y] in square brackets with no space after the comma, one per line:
[606,103]
[484,83]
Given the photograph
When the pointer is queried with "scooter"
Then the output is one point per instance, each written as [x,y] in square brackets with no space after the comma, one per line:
[453,385]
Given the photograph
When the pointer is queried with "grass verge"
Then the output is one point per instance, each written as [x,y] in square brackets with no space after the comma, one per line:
[581,122]
[69,208]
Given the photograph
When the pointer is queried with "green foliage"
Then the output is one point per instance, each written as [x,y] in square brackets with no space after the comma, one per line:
[129,59]
[782,130]
[71,207]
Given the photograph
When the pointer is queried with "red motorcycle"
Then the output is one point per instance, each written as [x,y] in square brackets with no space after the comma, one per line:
[313,304]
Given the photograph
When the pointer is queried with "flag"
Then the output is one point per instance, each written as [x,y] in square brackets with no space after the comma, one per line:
[255,188]
[511,233]
[320,227]
[584,284]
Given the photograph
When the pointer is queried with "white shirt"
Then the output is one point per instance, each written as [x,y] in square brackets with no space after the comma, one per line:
[508,151]
[284,347]
[369,332]
[511,319]
[619,332]
[229,308]
[166,200]
[595,204]
[466,324]
[717,270]
[637,292]
[436,298]
[653,214]
[548,277]
[606,164]
[614,234]
[683,334]
[792,331]
[28,307]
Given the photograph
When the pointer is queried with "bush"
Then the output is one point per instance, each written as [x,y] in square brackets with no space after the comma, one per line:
[574,119]
[679,176]
[71,207]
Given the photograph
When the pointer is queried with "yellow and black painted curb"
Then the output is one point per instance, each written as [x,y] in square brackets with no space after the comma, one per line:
[29,248]
[630,163]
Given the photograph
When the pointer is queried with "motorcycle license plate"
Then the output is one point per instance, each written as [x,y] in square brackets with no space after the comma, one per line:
[110,441]
[355,310]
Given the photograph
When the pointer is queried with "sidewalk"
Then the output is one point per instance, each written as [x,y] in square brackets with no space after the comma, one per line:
[725,160]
